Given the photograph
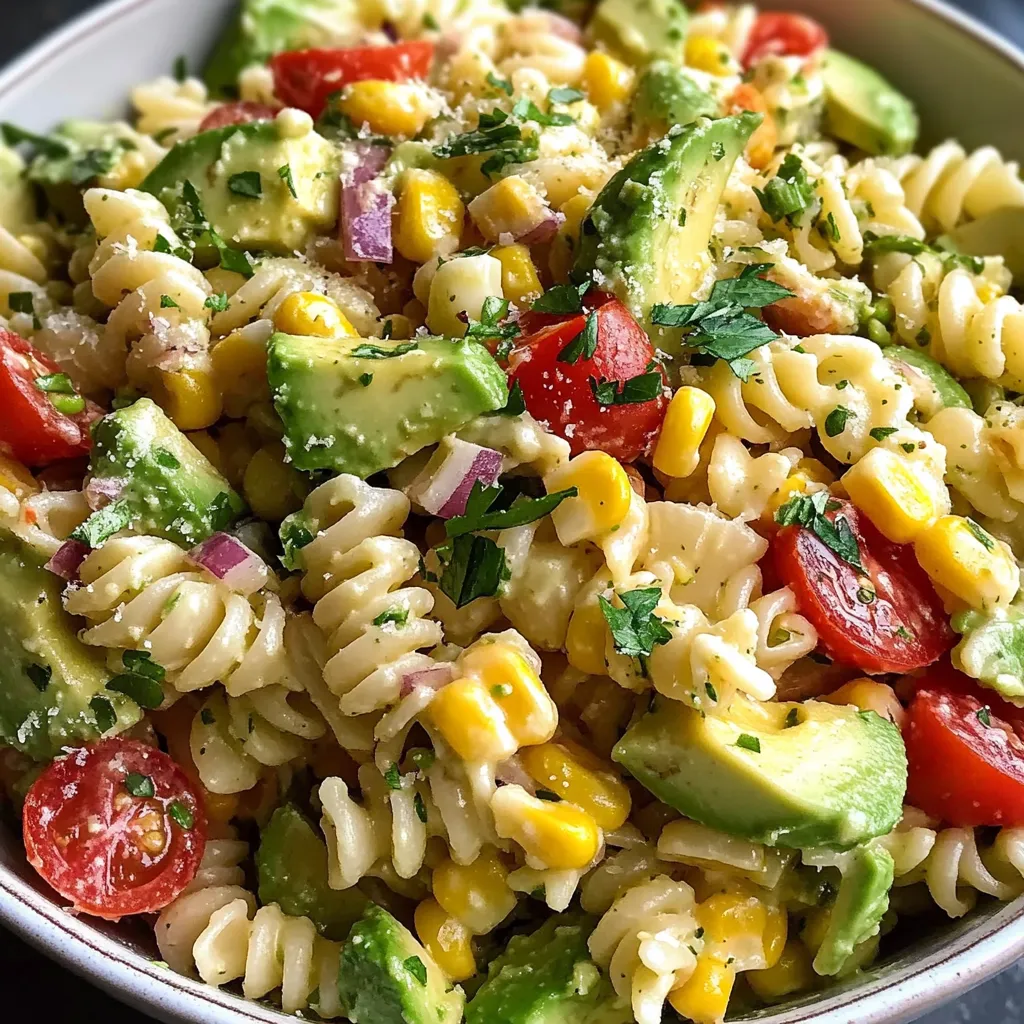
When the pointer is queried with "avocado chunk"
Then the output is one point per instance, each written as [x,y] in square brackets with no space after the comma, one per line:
[359,406]
[647,234]
[998,233]
[992,650]
[640,30]
[863,109]
[933,385]
[387,977]
[292,866]
[667,96]
[746,772]
[167,486]
[261,187]
[52,686]
[547,977]
[17,201]
[862,900]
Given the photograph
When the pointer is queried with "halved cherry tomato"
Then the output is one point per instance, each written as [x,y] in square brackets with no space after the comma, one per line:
[307,78]
[237,113]
[31,429]
[116,828]
[560,394]
[965,751]
[889,621]
[781,34]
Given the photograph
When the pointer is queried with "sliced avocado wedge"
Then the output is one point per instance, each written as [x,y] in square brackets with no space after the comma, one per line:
[640,30]
[647,234]
[667,96]
[992,650]
[387,977]
[933,385]
[358,406]
[167,486]
[998,233]
[863,109]
[52,686]
[746,772]
[291,863]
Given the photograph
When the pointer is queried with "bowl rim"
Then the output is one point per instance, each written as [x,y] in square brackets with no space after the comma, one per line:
[992,945]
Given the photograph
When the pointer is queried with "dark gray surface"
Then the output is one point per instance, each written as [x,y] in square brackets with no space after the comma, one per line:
[1000,1001]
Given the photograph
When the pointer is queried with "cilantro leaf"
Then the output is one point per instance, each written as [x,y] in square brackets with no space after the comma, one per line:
[490,325]
[564,95]
[809,511]
[584,345]
[246,183]
[181,814]
[416,967]
[750,289]
[875,244]
[635,629]
[139,785]
[471,566]
[562,299]
[368,351]
[501,84]
[835,421]
[522,511]
[748,742]
[983,538]
[789,194]
[516,404]
[103,524]
[218,303]
[526,110]
[643,388]
[285,174]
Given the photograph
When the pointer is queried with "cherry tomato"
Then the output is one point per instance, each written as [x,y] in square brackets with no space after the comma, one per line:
[965,751]
[116,828]
[779,34]
[890,620]
[307,78]
[560,394]
[237,113]
[31,428]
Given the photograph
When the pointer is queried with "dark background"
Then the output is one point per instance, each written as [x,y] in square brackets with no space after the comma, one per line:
[1000,1001]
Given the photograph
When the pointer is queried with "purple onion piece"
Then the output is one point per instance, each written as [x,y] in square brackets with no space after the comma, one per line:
[431,678]
[366,208]
[544,230]
[445,491]
[102,491]
[228,559]
[67,559]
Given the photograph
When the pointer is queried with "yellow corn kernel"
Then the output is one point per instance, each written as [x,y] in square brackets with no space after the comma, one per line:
[389,108]
[816,471]
[576,775]
[988,290]
[776,930]
[687,420]
[519,281]
[15,478]
[510,206]
[428,216]
[192,398]
[888,491]
[240,367]
[968,562]
[237,444]
[477,894]
[704,997]
[608,81]
[272,487]
[708,54]
[791,974]
[446,939]
[586,640]
[471,722]
[312,315]
[566,241]
[602,502]
[206,444]
[815,928]
[553,834]
[869,695]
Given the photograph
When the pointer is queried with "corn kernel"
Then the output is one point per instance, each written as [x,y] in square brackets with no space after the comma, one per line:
[603,500]
[471,722]
[237,444]
[553,835]
[586,640]
[461,286]
[576,775]
[869,695]
[519,281]
[704,997]
[16,478]
[566,241]
[988,290]
[204,441]
[312,315]
[962,557]
[887,490]
[428,216]
[815,928]
[510,206]
[240,368]
[709,54]
[191,398]
[798,483]
[686,424]
[389,108]
[477,894]
[791,974]
[446,939]
[273,488]
[608,81]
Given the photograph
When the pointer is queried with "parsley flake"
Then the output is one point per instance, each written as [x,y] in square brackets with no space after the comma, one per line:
[139,785]
[809,511]
[247,184]
[748,742]
[584,345]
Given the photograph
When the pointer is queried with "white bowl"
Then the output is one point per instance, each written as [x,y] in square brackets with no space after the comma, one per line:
[966,82]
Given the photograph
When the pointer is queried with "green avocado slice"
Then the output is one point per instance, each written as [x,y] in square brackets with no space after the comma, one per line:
[933,385]
[998,233]
[667,96]
[640,30]
[992,650]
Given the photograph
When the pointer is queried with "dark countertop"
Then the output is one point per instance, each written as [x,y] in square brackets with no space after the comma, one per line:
[1000,1001]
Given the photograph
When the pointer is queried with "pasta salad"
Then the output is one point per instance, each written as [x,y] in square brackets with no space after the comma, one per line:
[511,513]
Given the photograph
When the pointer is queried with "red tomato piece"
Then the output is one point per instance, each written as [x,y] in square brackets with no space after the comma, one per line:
[237,113]
[109,851]
[903,628]
[780,34]
[965,751]
[307,78]
[560,395]
[31,429]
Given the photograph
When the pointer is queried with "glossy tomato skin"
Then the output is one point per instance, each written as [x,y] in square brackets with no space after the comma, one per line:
[307,78]
[964,770]
[109,852]
[560,396]
[903,628]
[31,429]
[782,34]
[237,113]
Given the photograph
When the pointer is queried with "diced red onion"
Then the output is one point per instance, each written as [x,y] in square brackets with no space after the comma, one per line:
[512,773]
[444,489]
[389,29]
[366,207]
[67,559]
[544,230]
[228,559]
[564,28]
[102,491]
[431,678]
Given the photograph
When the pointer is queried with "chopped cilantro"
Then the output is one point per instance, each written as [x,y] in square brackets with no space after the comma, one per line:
[792,718]
[181,814]
[490,325]
[103,524]
[471,566]
[478,514]
[40,676]
[393,777]
[748,742]
[564,95]
[635,629]
[166,302]
[218,303]
[285,174]
[139,785]
[562,299]
[584,345]
[420,807]
[985,716]
[643,388]
[368,351]
[789,194]
[809,511]
[366,379]
[103,711]
[415,966]
[398,616]
[516,404]
[980,535]
[881,433]
[501,84]
[835,421]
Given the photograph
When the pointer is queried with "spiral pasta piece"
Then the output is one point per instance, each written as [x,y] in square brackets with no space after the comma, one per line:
[171,110]
[525,446]
[743,485]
